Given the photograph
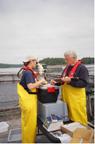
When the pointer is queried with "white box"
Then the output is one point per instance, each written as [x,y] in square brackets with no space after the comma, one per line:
[58,108]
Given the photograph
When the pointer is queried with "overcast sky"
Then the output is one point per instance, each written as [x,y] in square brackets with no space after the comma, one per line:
[45,28]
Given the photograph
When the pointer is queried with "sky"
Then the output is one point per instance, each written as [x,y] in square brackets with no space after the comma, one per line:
[45,28]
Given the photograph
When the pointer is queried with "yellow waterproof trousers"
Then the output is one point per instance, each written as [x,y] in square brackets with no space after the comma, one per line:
[28,105]
[76,103]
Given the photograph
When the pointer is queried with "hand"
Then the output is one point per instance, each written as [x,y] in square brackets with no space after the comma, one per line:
[43,81]
[66,79]
[53,82]
[62,79]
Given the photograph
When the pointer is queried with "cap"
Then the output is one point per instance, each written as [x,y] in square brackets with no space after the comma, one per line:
[27,59]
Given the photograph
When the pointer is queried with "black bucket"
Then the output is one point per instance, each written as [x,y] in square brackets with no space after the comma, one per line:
[46,96]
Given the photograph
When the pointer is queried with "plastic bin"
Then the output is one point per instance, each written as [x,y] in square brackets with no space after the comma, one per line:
[4,127]
[14,135]
[58,108]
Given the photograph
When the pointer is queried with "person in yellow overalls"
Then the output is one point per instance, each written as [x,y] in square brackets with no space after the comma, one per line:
[27,92]
[75,79]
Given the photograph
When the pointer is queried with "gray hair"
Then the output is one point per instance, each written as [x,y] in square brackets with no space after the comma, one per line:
[71,53]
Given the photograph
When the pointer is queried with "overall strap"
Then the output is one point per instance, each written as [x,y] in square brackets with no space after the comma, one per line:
[33,72]
[73,70]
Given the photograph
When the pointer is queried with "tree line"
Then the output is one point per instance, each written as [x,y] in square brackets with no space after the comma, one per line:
[9,65]
[50,61]
[61,61]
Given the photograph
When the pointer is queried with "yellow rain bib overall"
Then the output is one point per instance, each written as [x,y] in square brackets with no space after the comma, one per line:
[28,105]
[76,103]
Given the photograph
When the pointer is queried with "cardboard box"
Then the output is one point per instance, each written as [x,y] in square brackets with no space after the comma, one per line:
[82,135]
[78,132]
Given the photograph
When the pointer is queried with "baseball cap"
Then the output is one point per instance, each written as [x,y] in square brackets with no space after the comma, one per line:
[29,58]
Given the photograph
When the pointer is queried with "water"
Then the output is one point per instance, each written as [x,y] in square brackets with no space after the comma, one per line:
[8,90]
[9,70]
[51,68]
[8,94]
[58,69]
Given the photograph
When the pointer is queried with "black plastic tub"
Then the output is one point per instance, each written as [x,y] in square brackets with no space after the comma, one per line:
[48,95]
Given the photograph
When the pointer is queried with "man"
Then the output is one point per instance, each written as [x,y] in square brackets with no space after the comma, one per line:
[28,99]
[75,79]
